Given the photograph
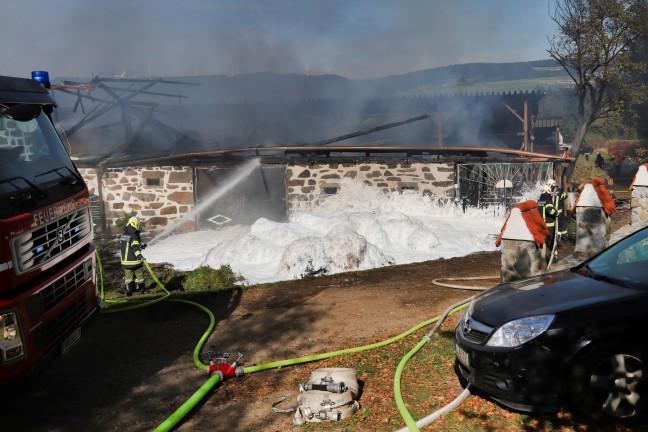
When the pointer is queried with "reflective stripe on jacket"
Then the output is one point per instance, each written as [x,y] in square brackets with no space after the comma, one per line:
[130,248]
[548,211]
[559,205]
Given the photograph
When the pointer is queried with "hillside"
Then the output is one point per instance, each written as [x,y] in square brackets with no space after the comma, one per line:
[464,78]
[196,113]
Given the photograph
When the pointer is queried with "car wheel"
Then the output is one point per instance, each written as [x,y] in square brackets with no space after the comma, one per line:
[608,383]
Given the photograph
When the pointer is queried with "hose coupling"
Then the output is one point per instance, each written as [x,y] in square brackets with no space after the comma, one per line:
[227,370]
[224,369]
[338,387]
[213,372]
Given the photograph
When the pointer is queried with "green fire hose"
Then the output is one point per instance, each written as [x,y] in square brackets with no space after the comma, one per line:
[214,379]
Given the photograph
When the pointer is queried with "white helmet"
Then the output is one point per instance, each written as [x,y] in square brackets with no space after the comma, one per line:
[545,189]
[551,183]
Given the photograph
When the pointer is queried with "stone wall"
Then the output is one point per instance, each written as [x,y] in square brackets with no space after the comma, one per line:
[592,231]
[158,195]
[312,182]
[639,203]
[521,260]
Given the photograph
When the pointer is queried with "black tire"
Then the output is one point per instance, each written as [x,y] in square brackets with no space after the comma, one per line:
[608,383]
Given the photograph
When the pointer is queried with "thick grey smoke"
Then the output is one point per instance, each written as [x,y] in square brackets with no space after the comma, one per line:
[339,42]
[357,39]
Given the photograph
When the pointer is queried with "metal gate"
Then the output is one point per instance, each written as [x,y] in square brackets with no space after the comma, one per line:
[497,183]
[260,194]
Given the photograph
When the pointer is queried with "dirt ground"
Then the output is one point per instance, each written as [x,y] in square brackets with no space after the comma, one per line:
[133,369]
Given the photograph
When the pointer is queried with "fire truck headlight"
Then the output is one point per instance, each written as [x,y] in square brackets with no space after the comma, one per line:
[11,343]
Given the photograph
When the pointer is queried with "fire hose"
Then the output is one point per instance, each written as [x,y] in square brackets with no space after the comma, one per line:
[407,417]
[224,370]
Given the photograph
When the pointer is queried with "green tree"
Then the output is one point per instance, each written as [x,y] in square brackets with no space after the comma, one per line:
[594,44]
[640,54]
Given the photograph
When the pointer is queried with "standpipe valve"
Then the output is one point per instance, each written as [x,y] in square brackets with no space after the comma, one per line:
[223,368]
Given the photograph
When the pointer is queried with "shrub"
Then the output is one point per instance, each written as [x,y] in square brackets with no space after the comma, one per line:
[205,278]
[120,222]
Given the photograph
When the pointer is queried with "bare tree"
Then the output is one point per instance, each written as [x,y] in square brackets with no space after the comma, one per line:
[593,45]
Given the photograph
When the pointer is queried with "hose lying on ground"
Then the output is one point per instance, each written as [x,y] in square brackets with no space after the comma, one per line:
[407,417]
[190,403]
[130,307]
[465,287]
[409,421]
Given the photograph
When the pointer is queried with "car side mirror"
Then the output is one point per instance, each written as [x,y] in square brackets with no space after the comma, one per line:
[21,112]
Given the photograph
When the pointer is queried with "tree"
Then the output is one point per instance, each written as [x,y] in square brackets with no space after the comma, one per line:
[641,109]
[594,44]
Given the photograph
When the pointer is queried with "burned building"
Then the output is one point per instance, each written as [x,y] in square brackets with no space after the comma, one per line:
[476,150]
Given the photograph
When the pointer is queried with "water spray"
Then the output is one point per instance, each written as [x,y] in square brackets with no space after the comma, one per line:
[243,171]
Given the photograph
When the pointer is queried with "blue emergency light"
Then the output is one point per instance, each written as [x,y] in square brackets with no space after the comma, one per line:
[41,77]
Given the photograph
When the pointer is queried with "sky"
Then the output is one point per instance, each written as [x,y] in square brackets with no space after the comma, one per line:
[357,39]
[359,228]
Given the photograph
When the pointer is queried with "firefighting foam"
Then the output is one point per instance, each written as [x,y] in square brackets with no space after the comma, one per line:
[357,229]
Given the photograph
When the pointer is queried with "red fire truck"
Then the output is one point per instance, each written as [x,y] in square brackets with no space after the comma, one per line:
[47,261]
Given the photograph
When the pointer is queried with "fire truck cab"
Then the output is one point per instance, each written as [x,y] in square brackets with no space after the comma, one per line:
[47,259]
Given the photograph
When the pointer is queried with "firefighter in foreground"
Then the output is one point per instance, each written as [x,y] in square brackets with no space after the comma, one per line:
[559,196]
[131,247]
[549,213]
[552,208]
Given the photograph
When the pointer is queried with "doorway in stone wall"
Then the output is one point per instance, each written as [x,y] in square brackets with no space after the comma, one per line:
[262,194]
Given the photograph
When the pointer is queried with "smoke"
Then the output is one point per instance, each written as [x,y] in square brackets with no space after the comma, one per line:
[330,49]
[361,39]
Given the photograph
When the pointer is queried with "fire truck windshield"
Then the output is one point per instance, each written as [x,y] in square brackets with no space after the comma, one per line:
[35,169]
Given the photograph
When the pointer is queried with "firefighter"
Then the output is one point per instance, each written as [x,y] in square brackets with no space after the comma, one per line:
[132,261]
[559,197]
[549,213]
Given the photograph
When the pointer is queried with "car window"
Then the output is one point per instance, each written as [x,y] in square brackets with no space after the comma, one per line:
[624,263]
[637,252]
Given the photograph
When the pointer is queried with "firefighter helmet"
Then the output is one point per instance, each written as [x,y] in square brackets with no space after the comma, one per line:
[551,183]
[545,189]
[134,222]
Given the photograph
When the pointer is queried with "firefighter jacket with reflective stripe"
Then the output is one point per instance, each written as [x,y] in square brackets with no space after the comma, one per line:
[559,204]
[547,210]
[131,251]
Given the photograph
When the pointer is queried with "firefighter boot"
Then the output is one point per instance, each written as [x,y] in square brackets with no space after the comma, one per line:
[141,288]
[125,288]
[129,288]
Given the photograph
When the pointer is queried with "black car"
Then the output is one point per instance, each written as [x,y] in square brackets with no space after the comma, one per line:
[576,336]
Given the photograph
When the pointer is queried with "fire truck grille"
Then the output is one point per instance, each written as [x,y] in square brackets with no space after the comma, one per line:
[50,330]
[34,248]
[59,290]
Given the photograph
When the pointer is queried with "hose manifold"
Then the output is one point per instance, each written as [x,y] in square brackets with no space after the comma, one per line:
[224,369]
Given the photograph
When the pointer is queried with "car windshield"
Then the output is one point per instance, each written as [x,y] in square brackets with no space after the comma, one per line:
[35,169]
[624,263]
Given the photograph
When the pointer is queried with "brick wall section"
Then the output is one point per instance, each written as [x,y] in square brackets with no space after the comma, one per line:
[314,182]
[639,203]
[159,195]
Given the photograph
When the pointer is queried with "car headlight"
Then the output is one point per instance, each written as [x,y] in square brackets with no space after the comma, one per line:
[519,331]
[11,343]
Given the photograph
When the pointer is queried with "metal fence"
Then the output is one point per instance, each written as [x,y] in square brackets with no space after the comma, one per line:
[498,183]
